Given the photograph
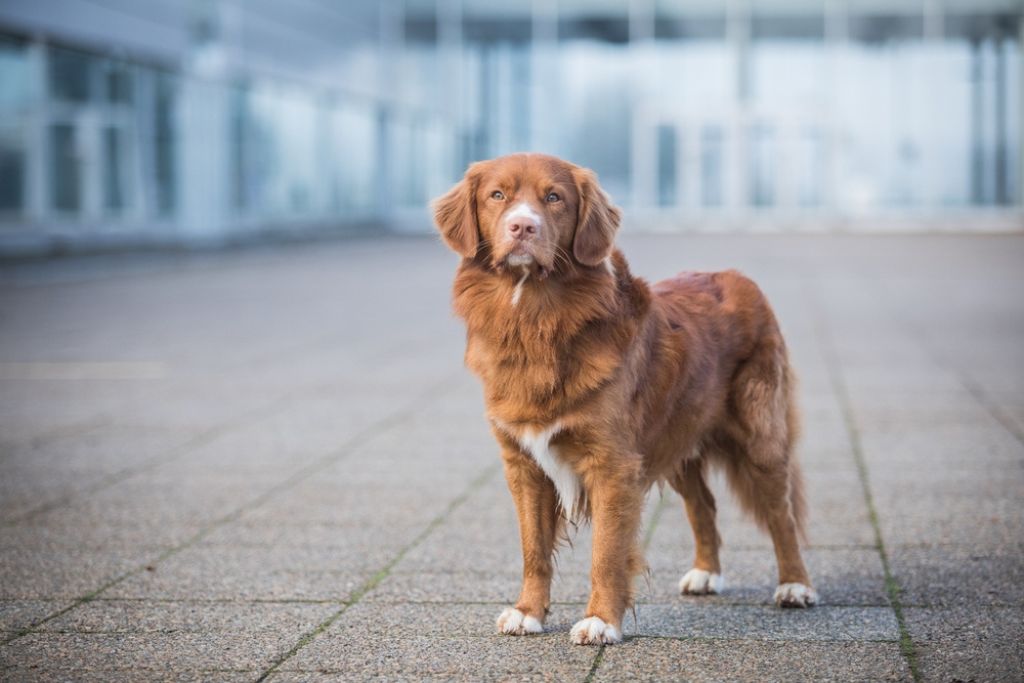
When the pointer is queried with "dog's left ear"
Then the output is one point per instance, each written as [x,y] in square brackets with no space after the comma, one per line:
[597,221]
[455,216]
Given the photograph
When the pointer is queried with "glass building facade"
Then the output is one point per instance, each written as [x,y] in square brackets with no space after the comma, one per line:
[158,121]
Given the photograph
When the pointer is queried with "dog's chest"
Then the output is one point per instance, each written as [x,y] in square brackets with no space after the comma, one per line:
[537,442]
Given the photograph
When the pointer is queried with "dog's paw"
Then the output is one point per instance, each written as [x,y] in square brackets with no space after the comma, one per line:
[700,582]
[514,623]
[795,595]
[594,631]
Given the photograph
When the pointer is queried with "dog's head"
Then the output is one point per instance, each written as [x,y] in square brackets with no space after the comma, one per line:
[528,211]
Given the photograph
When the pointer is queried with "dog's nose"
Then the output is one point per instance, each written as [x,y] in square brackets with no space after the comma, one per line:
[521,227]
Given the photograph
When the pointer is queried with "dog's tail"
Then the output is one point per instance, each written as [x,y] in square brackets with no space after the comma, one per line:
[767,468]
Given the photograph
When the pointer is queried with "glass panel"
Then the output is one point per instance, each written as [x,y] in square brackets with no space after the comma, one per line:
[163,144]
[113,169]
[762,161]
[12,169]
[667,155]
[15,97]
[594,79]
[275,151]
[14,74]
[353,158]
[711,159]
[884,114]
[240,122]
[810,168]
[401,143]
[65,168]
[119,83]
[71,75]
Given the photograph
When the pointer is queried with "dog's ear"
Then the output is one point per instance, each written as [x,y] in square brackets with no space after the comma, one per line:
[455,215]
[597,221]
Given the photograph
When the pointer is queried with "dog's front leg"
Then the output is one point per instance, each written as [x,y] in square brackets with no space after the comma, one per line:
[616,498]
[536,504]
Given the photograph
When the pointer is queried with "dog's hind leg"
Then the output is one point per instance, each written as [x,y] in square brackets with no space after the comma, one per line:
[763,469]
[706,575]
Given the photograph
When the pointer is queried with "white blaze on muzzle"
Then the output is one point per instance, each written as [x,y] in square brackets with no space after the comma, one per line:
[523,210]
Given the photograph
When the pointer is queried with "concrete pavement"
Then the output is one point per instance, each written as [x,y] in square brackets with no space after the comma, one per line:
[271,465]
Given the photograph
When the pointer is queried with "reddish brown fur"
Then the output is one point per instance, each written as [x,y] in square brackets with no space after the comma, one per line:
[648,383]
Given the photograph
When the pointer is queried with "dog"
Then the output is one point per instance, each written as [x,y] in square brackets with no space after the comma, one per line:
[598,385]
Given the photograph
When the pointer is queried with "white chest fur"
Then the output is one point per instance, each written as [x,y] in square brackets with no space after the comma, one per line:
[537,442]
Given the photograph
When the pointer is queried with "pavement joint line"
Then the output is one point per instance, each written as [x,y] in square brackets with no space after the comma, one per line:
[300,475]
[384,571]
[598,658]
[892,587]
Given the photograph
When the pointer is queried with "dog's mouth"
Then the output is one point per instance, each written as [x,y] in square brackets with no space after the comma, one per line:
[519,257]
[522,257]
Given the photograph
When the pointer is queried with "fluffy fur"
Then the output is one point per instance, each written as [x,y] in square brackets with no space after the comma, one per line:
[629,384]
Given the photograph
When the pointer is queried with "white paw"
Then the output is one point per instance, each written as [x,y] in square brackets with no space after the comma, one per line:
[515,623]
[795,595]
[700,582]
[594,631]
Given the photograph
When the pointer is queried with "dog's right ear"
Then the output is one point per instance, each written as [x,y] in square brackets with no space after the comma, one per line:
[455,216]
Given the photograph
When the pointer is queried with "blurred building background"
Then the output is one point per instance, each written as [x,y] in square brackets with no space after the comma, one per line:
[206,121]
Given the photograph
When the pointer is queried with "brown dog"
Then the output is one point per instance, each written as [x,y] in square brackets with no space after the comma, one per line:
[598,385]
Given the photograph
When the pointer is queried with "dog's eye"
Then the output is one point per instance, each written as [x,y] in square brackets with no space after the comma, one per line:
[498,194]
[552,197]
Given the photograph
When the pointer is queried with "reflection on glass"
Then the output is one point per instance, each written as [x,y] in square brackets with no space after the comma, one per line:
[14,74]
[14,104]
[65,172]
[810,168]
[352,158]
[667,165]
[762,162]
[113,176]
[711,162]
[119,83]
[12,170]
[70,75]
[164,144]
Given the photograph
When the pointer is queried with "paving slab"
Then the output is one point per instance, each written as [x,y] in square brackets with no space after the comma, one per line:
[669,659]
[42,674]
[702,619]
[952,576]
[42,573]
[546,654]
[214,572]
[165,652]
[19,614]
[969,642]
[482,586]
[193,616]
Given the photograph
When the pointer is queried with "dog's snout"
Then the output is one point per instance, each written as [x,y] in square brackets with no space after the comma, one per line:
[522,222]
[521,227]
